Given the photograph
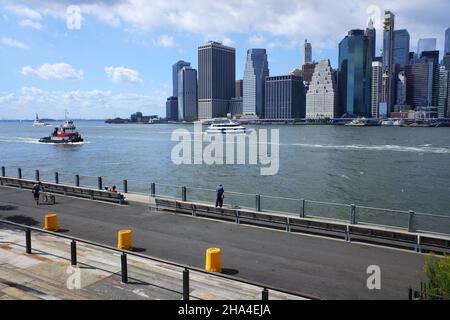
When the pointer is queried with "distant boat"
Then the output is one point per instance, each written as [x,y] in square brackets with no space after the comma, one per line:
[362,122]
[229,127]
[39,123]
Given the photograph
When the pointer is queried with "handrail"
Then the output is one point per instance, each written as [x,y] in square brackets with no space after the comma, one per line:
[170,263]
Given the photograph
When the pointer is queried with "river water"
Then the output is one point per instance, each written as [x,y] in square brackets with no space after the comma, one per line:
[384,167]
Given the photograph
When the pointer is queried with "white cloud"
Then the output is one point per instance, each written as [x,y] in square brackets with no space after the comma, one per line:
[88,104]
[31,24]
[228,42]
[165,41]
[25,11]
[57,71]
[123,75]
[256,40]
[13,43]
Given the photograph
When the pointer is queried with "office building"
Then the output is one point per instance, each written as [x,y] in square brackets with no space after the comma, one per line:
[187,94]
[239,89]
[355,64]
[433,56]
[172,109]
[419,84]
[446,61]
[428,44]
[321,98]
[216,79]
[285,97]
[377,81]
[388,59]
[401,48]
[371,33]
[447,42]
[307,52]
[175,70]
[256,71]
[308,71]
[444,85]
[236,107]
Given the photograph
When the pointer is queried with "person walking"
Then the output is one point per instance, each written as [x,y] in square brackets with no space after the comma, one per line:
[220,196]
[36,190]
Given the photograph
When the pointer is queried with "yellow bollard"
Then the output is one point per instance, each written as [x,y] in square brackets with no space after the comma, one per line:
[125,240]
[51,222]
[213,260]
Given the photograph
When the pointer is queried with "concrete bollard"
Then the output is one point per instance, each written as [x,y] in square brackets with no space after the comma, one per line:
[19,173]
[152,189]
[100,183]
[56,178]
[258,202]
[125,241]
[185,284]
[302,208]
[3,171]
[51,222]
[183,194]
[37,175]
[213,260]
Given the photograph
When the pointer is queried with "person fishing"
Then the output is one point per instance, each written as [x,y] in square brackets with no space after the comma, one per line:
[220,196]
[37,188]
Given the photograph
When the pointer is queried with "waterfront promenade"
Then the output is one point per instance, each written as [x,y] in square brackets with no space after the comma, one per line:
[326,268]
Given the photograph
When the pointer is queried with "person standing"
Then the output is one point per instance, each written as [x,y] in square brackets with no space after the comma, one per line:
[36,190]
[220,196]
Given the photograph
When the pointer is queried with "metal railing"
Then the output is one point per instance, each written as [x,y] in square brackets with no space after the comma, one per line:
[355,214]
[124,265]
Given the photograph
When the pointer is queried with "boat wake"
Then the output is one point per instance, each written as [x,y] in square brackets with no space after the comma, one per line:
[394,148]
[34,141]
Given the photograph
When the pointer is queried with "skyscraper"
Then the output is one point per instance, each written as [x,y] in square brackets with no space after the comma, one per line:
[355,63]
[256,71]
[377,77]
[401,48]
[443,100]
[175,70]
[419,84]
[433,56]
[388,58]
[285,97]
[307,53]
[216,79]
[447,41]
[172,109]
[321,99]
[187,94]
[426,45]
[239,88]
[371,33]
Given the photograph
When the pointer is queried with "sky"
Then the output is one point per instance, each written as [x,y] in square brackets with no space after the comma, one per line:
[103,59]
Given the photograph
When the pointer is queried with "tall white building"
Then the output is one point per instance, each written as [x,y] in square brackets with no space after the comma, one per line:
[377,83]
[256,71]
[321,99]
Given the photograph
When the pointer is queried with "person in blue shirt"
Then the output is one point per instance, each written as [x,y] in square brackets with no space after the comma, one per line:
[220,195]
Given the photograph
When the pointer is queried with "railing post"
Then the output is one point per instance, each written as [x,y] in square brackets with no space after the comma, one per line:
[77,180]
[258,202]
[37,175]
[125,186]
[411,221]
[56,178]
[152,189]
[352,214]
[302,208]
[185,284]
[3,171]
[265,294]
[19,173]
[28,240]
[73,253]
[183,194]
[123,260]
[100,183]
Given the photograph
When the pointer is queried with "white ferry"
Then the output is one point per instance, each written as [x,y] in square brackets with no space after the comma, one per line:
[227,128]
[39,123]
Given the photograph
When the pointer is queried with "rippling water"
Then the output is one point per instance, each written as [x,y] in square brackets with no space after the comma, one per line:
[387,167]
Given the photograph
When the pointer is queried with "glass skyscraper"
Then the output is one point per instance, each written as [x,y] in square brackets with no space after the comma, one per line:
[426,45]
[447,41]
[307,52]
[401,48]
[256,71]
[175,70]
[355,63]
[187,94]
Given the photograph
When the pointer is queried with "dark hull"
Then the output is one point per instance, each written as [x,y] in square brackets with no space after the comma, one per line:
[65,141]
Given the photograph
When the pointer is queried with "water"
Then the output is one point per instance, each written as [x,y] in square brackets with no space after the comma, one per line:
[386,167]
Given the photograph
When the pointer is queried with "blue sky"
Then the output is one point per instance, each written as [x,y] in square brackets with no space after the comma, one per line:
[101,59]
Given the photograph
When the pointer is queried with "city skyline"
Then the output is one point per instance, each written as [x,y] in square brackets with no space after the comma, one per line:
[42,67]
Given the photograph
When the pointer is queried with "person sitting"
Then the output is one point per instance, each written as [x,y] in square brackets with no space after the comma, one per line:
[113,189]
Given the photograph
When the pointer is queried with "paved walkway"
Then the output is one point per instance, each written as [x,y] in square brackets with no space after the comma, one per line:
[326,268]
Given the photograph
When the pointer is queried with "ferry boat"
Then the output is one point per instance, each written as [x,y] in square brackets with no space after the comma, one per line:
[66,133]
[362,122]
[227,128]
[39,123]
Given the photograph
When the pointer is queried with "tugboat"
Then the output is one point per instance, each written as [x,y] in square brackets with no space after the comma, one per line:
[67,133]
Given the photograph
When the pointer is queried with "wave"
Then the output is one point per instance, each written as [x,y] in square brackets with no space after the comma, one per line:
[395,148]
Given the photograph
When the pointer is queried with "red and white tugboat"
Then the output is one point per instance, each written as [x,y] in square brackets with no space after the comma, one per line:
[67,133]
